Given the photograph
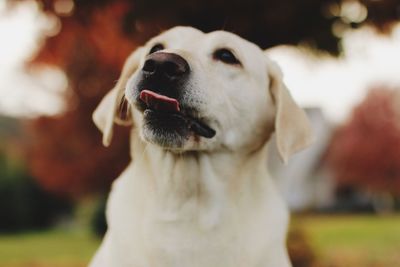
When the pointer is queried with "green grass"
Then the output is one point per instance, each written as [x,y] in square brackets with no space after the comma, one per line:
[338,241]
[51,248]
[353,240]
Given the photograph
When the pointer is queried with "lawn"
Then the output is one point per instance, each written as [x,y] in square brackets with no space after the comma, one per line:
[353,241]
[47,249]
[338,241]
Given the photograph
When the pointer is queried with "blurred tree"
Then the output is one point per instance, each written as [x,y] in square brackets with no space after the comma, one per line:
[23,204]
[65,152]
[365,152]
[95,37]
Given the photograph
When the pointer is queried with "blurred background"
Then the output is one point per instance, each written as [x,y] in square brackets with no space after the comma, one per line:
[341,60]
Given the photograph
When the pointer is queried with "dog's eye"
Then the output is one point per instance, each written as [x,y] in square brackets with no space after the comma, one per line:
[226,56]
[156,48]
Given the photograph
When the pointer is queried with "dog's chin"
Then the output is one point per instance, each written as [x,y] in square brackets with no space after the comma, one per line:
[167,130]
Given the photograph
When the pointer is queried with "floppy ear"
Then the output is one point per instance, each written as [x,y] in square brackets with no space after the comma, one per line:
[111,108]
[292,127]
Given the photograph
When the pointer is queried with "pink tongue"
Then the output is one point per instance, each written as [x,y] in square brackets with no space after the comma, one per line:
[159,102]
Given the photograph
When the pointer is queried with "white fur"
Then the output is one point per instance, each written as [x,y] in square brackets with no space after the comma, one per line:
[212,202]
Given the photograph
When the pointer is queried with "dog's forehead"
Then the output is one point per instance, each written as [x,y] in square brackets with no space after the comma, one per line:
[178,37]
[185,37]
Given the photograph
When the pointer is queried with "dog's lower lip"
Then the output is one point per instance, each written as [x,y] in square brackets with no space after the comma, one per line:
[193,124]
[201,129]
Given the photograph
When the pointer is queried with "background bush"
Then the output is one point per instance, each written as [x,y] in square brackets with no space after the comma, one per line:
[23,204]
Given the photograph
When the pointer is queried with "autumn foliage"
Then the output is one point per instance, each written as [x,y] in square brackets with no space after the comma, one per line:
[365,152]
[65,152]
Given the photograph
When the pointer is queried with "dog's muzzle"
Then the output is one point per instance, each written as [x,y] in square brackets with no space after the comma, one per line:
[168,67]
[165,74]
[160,97]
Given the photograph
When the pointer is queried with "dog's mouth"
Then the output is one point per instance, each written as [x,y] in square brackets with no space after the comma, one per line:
[167,113]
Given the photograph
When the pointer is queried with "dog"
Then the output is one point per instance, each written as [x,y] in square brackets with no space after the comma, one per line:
[197,193]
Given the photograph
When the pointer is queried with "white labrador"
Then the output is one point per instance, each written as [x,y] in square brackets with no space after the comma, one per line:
[197,192]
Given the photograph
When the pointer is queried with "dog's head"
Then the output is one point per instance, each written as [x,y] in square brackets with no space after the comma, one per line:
[187,90]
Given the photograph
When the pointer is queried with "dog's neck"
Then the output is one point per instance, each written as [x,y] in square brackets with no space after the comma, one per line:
[204,181]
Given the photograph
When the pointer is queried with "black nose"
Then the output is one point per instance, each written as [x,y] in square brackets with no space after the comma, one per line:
[166,65]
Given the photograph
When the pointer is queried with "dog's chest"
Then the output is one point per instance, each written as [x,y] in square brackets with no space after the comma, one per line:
[190,230]
[183,238]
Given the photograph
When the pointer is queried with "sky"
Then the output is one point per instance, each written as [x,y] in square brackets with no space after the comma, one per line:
[338,84]
[335,85]
[26,93]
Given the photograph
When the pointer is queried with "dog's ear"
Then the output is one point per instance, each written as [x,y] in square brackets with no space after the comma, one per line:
[113,108]
[292,127]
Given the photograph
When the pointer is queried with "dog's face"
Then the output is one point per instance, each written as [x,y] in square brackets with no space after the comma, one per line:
[215,88]
[188,90]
